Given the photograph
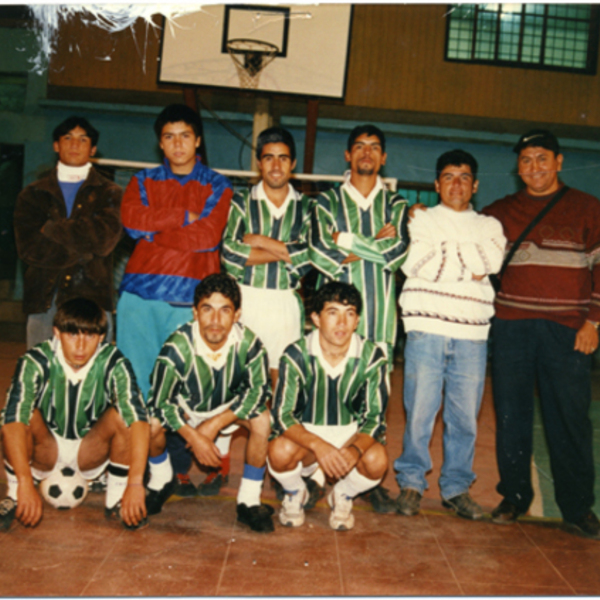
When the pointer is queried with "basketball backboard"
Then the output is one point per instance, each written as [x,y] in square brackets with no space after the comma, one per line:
[311,41]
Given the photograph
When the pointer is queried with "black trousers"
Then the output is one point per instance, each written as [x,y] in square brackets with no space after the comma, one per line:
[538,350]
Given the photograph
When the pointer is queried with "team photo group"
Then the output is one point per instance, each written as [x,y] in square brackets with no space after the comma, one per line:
[214,332]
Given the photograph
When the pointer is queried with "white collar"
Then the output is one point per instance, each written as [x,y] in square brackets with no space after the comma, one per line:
[67,174]
[215,359]
[72,375]
[363,203]
[314,348]
[258,192]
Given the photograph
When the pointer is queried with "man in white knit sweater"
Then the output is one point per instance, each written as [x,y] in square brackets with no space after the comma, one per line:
[447,302]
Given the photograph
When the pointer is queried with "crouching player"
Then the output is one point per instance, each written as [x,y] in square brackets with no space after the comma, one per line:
[329,410]
[210,374]
[74,402]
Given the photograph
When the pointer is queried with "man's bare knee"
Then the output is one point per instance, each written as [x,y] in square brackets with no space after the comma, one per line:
[284,455]
[374,462]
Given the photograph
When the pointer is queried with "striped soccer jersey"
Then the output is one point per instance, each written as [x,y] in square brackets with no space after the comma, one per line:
[71,410]
[250,212]
[182,381]
[336,211]
[306,393]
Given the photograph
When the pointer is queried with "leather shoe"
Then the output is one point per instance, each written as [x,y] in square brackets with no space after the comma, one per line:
[588,526]
[506,513]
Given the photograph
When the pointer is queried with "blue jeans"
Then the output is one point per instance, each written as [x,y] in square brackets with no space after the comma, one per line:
[432,364]
[524,352]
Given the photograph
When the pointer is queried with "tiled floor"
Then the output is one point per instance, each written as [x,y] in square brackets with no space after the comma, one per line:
[195,548]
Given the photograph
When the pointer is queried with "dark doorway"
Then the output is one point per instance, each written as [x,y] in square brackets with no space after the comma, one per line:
[11,182]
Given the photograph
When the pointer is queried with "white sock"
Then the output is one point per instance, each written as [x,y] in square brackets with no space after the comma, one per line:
[291,481]
[251,485]
[353,484]
[223,443]
[11,480]
[161,471]
[116,482]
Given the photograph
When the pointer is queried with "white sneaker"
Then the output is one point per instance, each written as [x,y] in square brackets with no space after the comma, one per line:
[292,508]
[341,517]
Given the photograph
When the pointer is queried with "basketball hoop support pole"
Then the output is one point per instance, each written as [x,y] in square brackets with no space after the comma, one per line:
[262,120]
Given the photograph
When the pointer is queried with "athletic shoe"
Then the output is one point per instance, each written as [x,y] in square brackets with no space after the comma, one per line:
[258,517]
[183,486]
[156,498]
[588,526]
[464,506]
[408,502]
[315,493]
[211,486]
[115,513]
[292,508]
[98,485]
[341,517]
[381,501]
[8,508]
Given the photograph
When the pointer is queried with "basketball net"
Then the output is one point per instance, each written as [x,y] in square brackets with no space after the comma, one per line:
[250,58]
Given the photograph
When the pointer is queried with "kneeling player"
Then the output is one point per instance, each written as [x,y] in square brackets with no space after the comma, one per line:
[74,402]
[212,373]
[329,410]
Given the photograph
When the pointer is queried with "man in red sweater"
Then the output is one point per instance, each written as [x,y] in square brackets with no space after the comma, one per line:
[546,328]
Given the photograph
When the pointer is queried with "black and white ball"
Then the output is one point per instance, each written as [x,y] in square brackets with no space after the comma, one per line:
[64,489]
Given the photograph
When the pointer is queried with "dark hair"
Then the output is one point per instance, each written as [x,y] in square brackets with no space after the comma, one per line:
[369,130]
[275,135]
[80,315]
[538,137]
[73,122]
[456,158]
[175,113]
[219,283]
[336,291]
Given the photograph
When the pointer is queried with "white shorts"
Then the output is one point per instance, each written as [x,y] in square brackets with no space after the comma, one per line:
[274,316]
[68,452]
[336,435]
[196,418]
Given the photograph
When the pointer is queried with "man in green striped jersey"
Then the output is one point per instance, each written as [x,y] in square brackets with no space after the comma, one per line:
[74,402]
[359,235]
[212,374]
[329,410]
[265,246]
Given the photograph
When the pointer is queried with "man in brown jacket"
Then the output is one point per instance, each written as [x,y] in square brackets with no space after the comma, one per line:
[66,226]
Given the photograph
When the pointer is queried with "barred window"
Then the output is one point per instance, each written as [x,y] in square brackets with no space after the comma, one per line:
[560,37]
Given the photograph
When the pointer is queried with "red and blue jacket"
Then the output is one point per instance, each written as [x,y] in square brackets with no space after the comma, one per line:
[173,255]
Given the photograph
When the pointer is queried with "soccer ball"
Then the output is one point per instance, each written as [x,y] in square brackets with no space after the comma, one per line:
[64,489]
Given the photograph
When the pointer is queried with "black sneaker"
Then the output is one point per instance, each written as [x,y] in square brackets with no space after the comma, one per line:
[8,508]
[279,492]
[464,506]
[98,485]
[315,493]
[184,487]
[381,501]
[211,486]
[258,518]
[155,499]
[588,526]
[115,513]
[408,502]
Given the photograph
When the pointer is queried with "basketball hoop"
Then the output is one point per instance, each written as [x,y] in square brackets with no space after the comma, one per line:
[250,57]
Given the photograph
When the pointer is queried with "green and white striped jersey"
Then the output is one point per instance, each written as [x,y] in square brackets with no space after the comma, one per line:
[307,391]
[70,410]
[336,211]
[251,212]
[184,381]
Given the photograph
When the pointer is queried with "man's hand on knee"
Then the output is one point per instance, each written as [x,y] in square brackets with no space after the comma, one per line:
[332,460]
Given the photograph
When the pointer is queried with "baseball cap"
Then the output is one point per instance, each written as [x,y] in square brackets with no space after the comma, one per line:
[538,137]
